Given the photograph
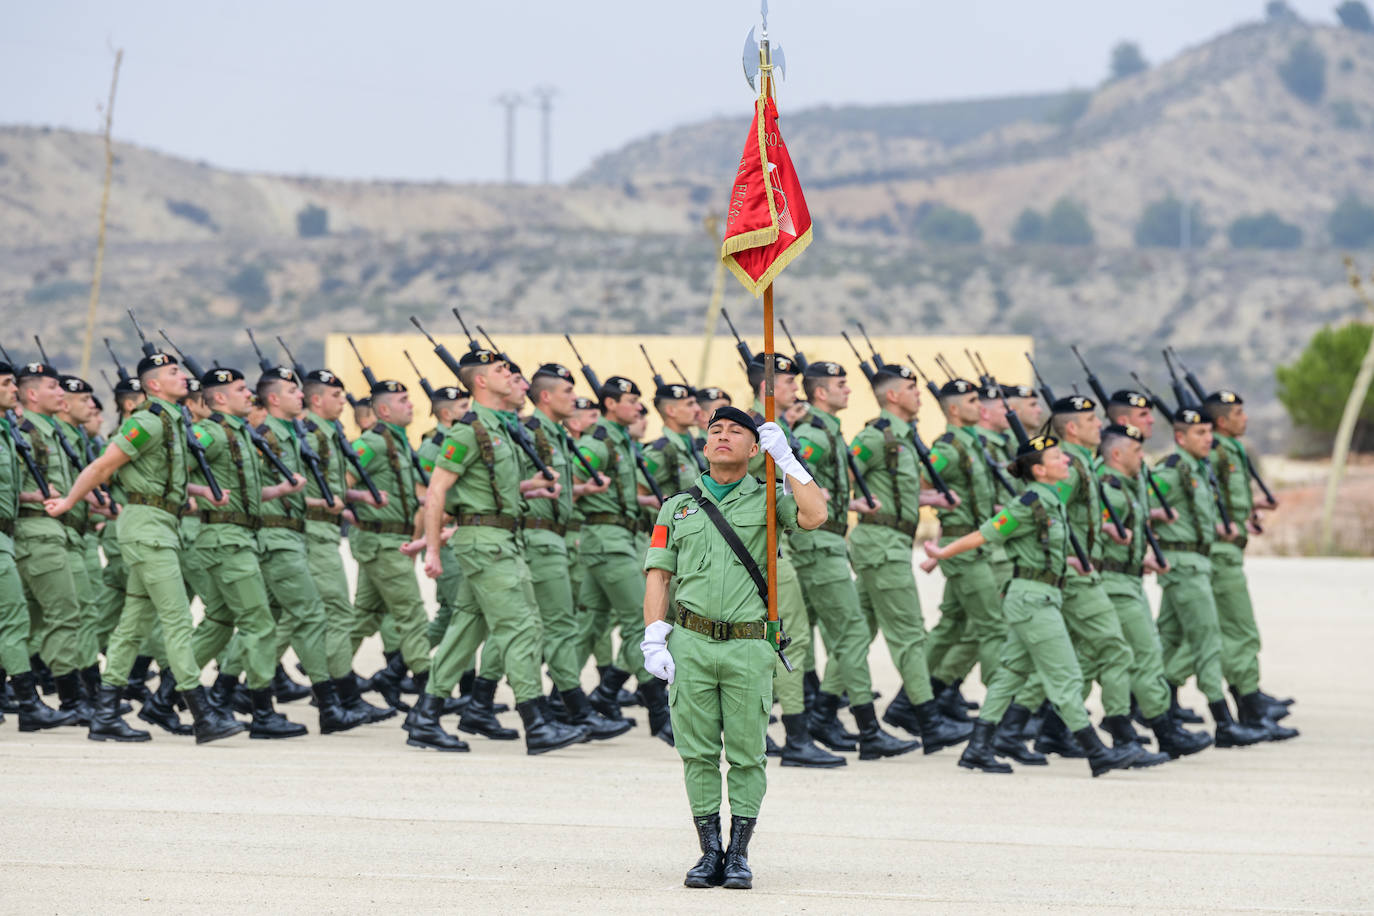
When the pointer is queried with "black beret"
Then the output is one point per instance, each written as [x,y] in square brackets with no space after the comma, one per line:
[1036,444]
[823,369]
[1074,403]
[6,368]
[1189,417]
[220,376]
[74,385]
[1128,398]
[278,373]
[1018,391]
[479,357]
[155,361]
[584,404]
[1223,397]
[1127,430]
[128,386]
[734,415]
[711,393]
[324,377]
[990,393]
[957,386]
[784,364]
[193,386]
[96,401]
[673,392]
[617,385]
[449,393]
[553,370]
[891,371]
[37,370]
[363,402]
[386,386]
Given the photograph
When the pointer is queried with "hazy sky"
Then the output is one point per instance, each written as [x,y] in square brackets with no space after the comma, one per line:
[406,89]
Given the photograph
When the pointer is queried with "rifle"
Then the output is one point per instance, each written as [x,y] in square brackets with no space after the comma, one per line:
[472,341]
[440,350]
[341,442]
[261,444]
[367,370]
[424,382]
[877,360]
[1045,391]
[371,383]
[26,453]
[681,374]
[191,365]
[644,469]
[119,367]
[922,452]
[933,388]
[587,372]
[1079,553]
[658,379]
[864,367]
[62,441]
[88,448]
[522,439]
[796,353]
[311,458]
[1149,476]
[198,451]
[1188,376]
[1181,394]
[659,383]
[1093,381]
[1196,385]
[144,344]
[740,345]
[264,363]
[984,377]
[295,364]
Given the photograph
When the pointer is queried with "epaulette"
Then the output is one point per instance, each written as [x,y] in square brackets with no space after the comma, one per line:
[660,443]
[27,425]
[1173,460]
[437,438]
[216,416]
[757,417]
[532,424]
[310,426]
[882,423]
[947,439]
[817,422]
[600,434]
[468,418]
[155,409]
[1113,481]
[1030,497]
[263,429]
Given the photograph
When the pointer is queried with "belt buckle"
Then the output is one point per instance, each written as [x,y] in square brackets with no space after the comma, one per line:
[720,630]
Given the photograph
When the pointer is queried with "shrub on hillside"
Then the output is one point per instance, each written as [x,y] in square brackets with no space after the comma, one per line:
[1314,388]
[312,222]
[1127,61]
[1161,225]
[1067,224]
[1304,72]
[1351,224]
[942,225]
[1354,15]
[1029,228]
[250,286]
[1267,230]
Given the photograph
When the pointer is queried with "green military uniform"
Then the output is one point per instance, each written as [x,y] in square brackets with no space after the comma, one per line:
[113,575]
[1188,612]
[821,558]
[1002,449]
[1122,568]
[1240,637]
[450,581]
[47,552]
[722,689]
[881,546]
[972,601]
[673,462]
[14,610]
[386,578]
[1034,528]
[497,594]
[89,580]
[322,538]
[154,483]
[228,574]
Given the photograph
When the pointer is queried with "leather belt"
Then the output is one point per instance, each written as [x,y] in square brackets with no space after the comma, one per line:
[721,630]
[66,518]
[316,514]
[398,528]
[546,524]
[490,520]
[157,502]
[956,531]
[7,526]
[1183,546]
[281,521]
[904,525]
[1126,569]
[573,526]
[242,520]
[834,526]
[1044,577]
[610,518]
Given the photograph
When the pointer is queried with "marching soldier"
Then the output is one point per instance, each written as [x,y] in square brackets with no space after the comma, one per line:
[128,397]
[447,404]
[672,458]
[1240,638]
[822,562]
[710,644]
[78,406]
[881,544]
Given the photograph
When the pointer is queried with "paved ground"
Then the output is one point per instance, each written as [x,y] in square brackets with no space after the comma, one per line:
[359,822]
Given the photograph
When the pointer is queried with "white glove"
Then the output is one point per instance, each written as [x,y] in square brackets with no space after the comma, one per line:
[657,659]
[774,442]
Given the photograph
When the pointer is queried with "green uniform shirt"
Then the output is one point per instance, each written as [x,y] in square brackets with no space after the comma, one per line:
[11,476]
[75,438]
[824,450]
[47,454]
[552,445]
[281,436]
[325,443]
[710,580]
[606,446]
[884,454]
[1129,501]
[153,438]
[384,452]
[756,464]
[1034,529]
[1231,464]
[957,458]
[480,451]
[1083,502]
[234,462]
[671,460]
[1183,481]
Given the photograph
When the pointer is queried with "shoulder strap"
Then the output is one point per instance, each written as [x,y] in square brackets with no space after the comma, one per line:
[732,540]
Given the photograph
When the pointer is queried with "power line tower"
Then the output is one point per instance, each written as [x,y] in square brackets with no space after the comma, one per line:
[544,96]
[510,101]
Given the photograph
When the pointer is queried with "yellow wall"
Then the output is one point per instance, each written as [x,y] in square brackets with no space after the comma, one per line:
[615,354]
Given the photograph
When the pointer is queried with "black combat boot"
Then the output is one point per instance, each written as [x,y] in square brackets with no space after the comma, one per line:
[938,732]
[160,709]
[1257,712]
[1127,725]
[284,689]
[655,695]
[1231,733]
[710,868]
[811,685]
[267,722]
[873,741]
[950,703]
[558,707]
[1272,708]
[346,689]
[970,705]
[221,694]
[72,698]
[737,874]
[824,723]
[90,690]
[137,687]
[1055,737]
[1100,758]
[333,716]
[34,714]
[1006,740]
[1277,701]
[210,723]
[423,729]
[106,723]
[900,713]
[46,682]
[580,712]
[604,697]
[542,732]
[1181,713]
[1175,740]
[8,701]
[1119,727]
[771,748]
[800,750]
[979,754]
[387,681]
[479,719]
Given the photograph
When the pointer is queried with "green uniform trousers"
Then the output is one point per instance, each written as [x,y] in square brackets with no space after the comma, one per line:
[155,591]
[496,597]
[299,611]
[719,699]
[550,576]
[230,582]
[1037,642]
[1103,653]
[388,590]
[446,589]
[787,685]
[833,602]
[327,569]
[1240,637]
[14,618]
[613,587]
[91,586]
[111,605]
[45,567]
[1148,683]
[887,590]
[1189,632]
[971,628]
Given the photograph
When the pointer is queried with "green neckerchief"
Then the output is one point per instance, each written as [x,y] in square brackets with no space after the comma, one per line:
[719,490]
[400,432]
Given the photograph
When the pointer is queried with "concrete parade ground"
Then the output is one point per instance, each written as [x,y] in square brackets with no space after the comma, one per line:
[359,822]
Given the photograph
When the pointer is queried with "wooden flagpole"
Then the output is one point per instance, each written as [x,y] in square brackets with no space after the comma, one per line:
[770,411]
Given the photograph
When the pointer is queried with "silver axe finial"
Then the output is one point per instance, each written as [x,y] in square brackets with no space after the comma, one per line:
[760,53]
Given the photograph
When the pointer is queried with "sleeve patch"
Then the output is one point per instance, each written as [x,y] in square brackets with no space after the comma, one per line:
[592,457]
[364,452]
[861,452]
[938,461]
[660,537]
[808,450]
[134,433]
[454,451]
[1005,523]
